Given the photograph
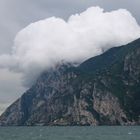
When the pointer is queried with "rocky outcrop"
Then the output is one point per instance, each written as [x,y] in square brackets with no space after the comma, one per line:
[103,90]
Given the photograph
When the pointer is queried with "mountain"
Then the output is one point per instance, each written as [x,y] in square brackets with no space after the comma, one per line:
[104,90]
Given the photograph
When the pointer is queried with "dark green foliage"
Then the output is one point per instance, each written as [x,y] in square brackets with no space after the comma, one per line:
[66,95]
[110,66]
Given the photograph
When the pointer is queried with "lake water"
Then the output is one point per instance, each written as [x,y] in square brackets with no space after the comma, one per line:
[70,133]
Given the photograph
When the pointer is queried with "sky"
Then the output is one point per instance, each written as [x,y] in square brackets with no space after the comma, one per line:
[17,14]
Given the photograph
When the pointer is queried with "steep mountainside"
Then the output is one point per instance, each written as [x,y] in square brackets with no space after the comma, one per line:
[104,90]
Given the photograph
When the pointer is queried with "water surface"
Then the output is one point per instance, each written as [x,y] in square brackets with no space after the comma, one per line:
[70,133]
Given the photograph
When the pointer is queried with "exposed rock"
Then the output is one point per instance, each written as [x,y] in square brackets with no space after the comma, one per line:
[104,90]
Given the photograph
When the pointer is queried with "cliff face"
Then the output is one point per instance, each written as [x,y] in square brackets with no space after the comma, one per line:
[104,90]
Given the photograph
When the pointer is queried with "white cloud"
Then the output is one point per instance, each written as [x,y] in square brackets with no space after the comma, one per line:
[45,43]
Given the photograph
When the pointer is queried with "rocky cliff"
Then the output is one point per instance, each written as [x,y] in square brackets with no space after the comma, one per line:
[104,90]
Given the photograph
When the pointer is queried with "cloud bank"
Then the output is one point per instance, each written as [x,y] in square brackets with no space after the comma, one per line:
[45,43]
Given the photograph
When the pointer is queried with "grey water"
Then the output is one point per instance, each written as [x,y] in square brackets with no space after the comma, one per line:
[70,133]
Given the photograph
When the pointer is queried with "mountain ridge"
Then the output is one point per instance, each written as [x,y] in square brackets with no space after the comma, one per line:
[103,90]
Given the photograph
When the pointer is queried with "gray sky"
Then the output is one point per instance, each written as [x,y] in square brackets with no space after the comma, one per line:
[16,14]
